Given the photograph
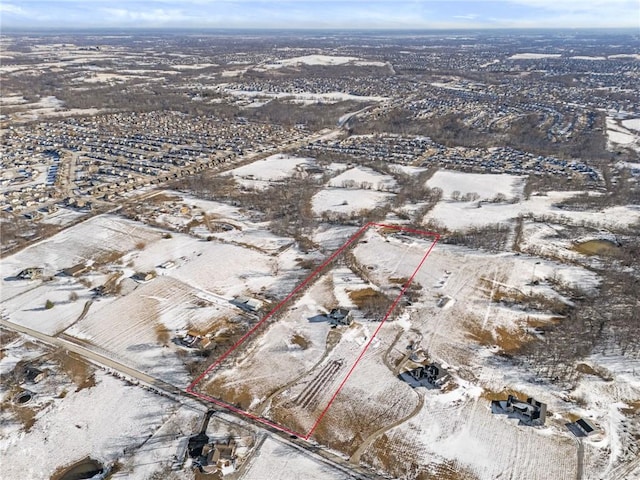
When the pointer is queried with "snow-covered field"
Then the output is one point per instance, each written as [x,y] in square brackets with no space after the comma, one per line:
[347,201]
[487,186]
[459,215]
[533,56]
[278,461]
[262,173]
[623,133]
[290,370]
[100,422]
[359,176]
[325,60]
[193,291]
[353,190]
[632,124]
[306,97]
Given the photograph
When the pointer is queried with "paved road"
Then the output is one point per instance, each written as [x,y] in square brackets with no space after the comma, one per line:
[92,356]
[580,469]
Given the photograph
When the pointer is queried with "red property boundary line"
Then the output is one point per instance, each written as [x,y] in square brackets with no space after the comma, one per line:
[191,388]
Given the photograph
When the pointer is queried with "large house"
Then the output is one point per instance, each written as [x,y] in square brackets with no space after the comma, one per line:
[30,273]
[219,457]
[530,412]
[340,316]
[430,376]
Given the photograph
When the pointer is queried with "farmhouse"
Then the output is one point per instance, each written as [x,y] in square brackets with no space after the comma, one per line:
[144,276]
[76,270]
[430,376]
[247,304]
[340,316]
[530,412]
[193,339]
[30,273]
[219,457]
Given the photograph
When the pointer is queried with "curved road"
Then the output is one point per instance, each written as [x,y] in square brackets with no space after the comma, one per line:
[355,458]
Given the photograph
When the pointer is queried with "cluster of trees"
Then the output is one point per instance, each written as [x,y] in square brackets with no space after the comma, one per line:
[526,132]
[605,322]
[314,116]
[492,238]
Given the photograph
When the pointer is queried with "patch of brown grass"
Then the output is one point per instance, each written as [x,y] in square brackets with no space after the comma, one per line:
[399,280]
[587,369]
[632,408]
[362,298]
[508,341]
[75,368]
[193,223]
[571,417]
[237,395]
[164,197]
[386,230]
[301,341]
[534,322]
[7,336]
[529,301]
[105,258]
[162,334]
[502,394]
[595,247]
[447,470]
[401,458]
[24,414]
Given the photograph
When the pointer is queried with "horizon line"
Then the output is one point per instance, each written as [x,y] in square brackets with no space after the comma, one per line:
[5,29]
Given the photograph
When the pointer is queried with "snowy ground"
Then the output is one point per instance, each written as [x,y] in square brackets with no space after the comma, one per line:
[306,97]
[277,461]
[347,201]
[72,428]
[487,186]
[325,60]
[456,215]
[359,176]
[623,133]
[136,326]
[263,173]
[533,56]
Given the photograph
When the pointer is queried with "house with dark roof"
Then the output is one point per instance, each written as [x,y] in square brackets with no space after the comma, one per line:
[582,428]
[247,304]
[30,273]
[340,316]
[530,412]
[430,376]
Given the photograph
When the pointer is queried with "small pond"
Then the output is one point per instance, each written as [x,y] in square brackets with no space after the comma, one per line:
[86,468]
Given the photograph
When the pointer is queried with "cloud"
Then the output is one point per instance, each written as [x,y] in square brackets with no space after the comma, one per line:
[321,13]
[152,16]
[12,9]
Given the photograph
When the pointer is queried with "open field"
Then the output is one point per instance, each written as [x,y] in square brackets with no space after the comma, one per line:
[264,380]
